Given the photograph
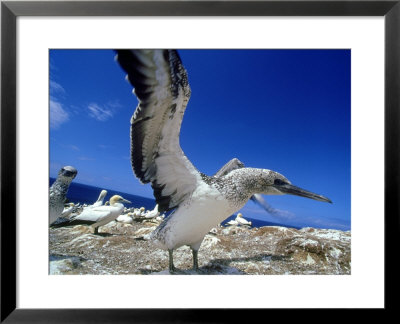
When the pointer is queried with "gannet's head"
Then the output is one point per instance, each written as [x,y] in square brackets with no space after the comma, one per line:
[67,173]
[274,183]
[239,215]
[118,199]
[103,193]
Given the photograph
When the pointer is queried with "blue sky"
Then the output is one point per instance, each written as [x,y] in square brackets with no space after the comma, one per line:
[284,110]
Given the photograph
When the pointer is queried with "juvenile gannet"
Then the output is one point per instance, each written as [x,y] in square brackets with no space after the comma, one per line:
[58,192]
[98,216]
[200,202]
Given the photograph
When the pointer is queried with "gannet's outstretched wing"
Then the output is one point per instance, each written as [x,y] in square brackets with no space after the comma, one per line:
[161,86]
[228,167]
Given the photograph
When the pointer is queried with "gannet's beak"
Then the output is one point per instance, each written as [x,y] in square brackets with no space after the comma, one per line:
[290,189]
[125,201]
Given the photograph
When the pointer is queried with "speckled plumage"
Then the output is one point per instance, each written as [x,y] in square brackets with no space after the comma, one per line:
[200,202]
[58,192]
[240,184]
[222,196]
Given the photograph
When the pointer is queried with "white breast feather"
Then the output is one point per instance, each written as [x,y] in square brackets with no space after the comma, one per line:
[193,220]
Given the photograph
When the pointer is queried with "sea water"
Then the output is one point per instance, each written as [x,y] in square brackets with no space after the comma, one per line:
[85,194]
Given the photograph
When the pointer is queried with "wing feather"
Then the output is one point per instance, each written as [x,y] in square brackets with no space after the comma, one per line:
[93,215]
[161,86]
[228,167]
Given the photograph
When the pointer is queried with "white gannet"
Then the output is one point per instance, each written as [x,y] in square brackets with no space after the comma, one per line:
[58,192]
[124,218]
[138,212]
[68,210]
[232,222]
[98,216]
[241,221]
[99,201]
[152,213]
[200,202]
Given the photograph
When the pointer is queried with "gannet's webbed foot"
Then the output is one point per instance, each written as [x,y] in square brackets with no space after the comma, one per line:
[195,260]
[171,261]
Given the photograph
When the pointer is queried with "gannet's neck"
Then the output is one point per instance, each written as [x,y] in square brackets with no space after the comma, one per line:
[62,184]
[117,205]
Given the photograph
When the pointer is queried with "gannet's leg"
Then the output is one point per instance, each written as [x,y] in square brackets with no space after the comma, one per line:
[195,249]
[96,230]
[195,259]
[171,261]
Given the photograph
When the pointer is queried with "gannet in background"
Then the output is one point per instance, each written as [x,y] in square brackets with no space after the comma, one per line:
[58,192]
[98,216]
[200,202]
[152,213]
[139,212]
[232,222]
[67,210]
[241,221]
[99,201]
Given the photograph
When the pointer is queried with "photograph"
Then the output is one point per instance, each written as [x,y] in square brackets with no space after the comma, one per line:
[199,161]
[184,161]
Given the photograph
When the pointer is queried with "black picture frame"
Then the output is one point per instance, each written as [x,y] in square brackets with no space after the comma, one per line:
[10,10]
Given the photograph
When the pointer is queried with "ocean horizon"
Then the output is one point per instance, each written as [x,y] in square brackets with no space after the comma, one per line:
[87,194]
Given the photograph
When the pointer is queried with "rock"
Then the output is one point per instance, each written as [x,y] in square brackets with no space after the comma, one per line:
[238,250]
[231,230]
[144,231]
[63,264]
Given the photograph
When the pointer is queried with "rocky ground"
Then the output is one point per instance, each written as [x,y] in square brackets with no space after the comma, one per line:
[121,249]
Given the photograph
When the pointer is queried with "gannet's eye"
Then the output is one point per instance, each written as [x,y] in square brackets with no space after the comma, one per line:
[279,182]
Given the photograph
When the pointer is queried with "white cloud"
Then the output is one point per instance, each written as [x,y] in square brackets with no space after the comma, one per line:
[100,113]
[73,147]
[55,87]
[58,115]
[114,104]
